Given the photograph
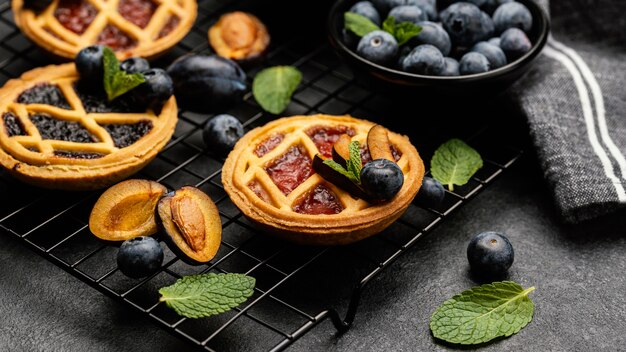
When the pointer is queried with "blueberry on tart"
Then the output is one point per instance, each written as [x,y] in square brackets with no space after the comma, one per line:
[59,131]
[299,178]
[144,28]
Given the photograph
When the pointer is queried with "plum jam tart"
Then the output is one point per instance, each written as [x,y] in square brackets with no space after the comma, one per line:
[272,175]
[55,133]
[144,28]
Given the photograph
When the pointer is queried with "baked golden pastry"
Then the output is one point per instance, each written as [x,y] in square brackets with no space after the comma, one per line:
[144,28]
[269,176]
[55,134]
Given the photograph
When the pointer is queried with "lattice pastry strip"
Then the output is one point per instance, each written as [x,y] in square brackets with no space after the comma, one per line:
[247,180]
[168,23]
[47,135]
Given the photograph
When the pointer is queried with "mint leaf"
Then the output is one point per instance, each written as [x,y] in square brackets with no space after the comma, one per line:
[402,31]
[116,81]
[340,169]
[198,296]
[454,163]
[483,313]
[354,164]
[358,24]
[272,87]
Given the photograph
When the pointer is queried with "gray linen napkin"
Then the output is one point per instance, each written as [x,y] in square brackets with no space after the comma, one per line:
[575,102]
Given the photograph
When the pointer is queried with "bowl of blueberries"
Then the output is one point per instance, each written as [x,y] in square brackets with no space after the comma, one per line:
[441,47]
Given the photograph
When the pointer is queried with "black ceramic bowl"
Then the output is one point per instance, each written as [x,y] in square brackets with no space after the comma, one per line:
[394,81]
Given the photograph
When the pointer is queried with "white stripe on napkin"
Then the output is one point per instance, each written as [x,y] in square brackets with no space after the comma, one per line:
[583,94]
[599,103]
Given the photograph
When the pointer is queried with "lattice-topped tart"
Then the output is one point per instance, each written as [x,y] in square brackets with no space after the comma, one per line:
[270,177]
[54,133]
[143,28]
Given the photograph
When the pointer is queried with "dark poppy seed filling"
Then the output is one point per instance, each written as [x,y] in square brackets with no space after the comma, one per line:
[95,101]
[13,125]
[77,155]
[44,93]
[51,128]
[125,135]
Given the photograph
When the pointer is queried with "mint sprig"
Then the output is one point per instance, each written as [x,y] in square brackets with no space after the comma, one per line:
[358,24]
[353,164]
[402,31]
[273,87]
[483,313]
[454,163]
[116,81]
[199,296]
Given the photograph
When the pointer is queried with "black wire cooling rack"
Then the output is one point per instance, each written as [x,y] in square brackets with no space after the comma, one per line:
[297,287]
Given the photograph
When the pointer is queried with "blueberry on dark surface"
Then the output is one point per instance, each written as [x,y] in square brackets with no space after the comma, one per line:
[220,134]
[466,23]
[37,5]
[431,193]
[429,7]
[491,5]
[156,89]
[89,63]
[425,59]
[512,15]
[490,254]
[451,67]
[135,65]
[378,46]
[514,43]
[493,53]
[366,9]
[494,41]
[434,34]
[381,179]
[207,82]
[407,13]
[139,257]
[473,62]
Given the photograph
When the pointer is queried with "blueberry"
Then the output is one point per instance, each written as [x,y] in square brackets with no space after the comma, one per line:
[382,178]
[466,23]
[157,88]
[384,6]
[207,82]
[135,65]
[514,43]
[473,62]
[493,53]
[139,257]
[429,7]
[451,67]
[425,59]
[407,13]
[494,41]
[405,50]
[491,5]
[512,15]
[366,9]
[37,5]
[220,134]
[378,46]
[433,33]
[431,193]
[490,254]
[89,63]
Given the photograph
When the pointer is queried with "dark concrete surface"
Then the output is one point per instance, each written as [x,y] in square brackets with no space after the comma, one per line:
[578,272]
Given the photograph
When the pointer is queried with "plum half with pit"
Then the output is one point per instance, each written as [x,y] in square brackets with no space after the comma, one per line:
[204,82]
